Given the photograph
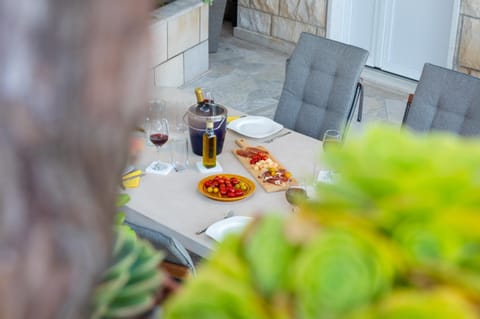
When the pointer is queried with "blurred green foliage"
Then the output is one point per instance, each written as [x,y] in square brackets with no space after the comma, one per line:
[396,236]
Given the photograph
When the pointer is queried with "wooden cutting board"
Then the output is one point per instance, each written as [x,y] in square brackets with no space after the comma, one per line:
[268,187]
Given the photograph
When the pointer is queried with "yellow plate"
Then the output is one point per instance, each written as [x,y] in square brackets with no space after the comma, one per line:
[224,198]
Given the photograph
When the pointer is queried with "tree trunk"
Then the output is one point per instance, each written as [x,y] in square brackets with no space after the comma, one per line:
[72,81]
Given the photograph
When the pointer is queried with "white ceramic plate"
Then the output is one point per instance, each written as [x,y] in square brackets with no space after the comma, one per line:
[255,126]
[227,226]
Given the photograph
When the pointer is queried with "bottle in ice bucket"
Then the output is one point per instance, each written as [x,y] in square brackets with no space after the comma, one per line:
[209,151]
[200,99]
[197,117]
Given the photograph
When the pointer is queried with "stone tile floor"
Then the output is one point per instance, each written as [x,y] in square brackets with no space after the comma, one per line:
[249,77]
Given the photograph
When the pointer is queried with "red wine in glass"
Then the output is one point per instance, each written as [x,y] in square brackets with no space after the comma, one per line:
[158,139]
[158,134]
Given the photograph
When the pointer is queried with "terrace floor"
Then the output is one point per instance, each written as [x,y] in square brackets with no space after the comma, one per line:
[249,77]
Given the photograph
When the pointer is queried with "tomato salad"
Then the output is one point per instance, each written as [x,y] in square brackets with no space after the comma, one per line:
[225,186]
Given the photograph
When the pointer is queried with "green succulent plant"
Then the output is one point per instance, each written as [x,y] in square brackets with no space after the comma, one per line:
[397,236]
[129,286]
[442,303]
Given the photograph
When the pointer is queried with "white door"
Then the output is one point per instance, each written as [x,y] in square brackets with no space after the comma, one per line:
[401,35]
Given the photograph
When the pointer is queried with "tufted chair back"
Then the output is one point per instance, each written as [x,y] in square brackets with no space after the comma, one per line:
[445,100]
[320,85]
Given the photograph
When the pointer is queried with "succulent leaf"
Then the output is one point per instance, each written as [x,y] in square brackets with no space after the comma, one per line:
[269,255]
[130,284]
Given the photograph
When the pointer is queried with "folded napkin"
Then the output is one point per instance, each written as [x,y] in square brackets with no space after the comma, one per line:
[327,176]
[233,118]
[153,168]
[132,179]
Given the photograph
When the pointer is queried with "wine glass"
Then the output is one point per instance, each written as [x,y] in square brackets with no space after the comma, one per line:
[331,139]
[156,110]
[296,194]
[158,135]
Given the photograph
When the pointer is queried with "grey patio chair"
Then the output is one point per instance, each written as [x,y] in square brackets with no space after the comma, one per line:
[177,259]
[321,87]
[444,100]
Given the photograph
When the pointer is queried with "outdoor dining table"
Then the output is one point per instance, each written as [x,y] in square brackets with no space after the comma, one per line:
[175,206]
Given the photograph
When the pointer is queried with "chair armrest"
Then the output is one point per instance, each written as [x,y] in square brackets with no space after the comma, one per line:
[410,98]
[407,107]
[359,92]
[177,271]
[287,62]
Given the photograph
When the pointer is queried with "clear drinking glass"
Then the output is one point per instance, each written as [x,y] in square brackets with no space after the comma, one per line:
[179,148]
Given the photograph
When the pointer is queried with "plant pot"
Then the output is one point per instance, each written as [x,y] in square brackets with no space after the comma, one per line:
[215,22]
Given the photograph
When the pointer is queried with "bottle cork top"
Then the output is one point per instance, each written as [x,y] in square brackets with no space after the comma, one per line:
[199,95]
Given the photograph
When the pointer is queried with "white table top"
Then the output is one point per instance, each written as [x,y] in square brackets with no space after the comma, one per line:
[179,209]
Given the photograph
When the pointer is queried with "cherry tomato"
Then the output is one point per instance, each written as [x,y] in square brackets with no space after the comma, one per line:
[229,186]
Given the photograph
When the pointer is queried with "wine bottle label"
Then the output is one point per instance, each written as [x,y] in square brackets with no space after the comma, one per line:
[211,146]
[209,155]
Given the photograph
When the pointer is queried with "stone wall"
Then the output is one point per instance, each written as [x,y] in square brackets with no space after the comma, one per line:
[278,23]
[179,33]
[468,39]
